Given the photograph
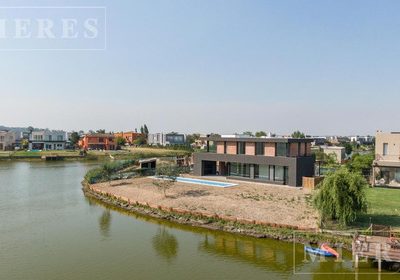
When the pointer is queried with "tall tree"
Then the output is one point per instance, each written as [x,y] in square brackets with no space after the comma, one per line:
[348,148]
[120,141]
[298,134]
[74,138]
[341,196]
[261,133]
[102,131]
[248,133]
[191,138]
[145,130]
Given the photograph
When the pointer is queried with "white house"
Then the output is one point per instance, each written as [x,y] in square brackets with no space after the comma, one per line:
[47,140]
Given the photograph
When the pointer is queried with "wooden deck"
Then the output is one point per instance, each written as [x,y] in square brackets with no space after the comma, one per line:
[379,248]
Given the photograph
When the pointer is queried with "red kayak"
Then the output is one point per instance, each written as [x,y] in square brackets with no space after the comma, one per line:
[327,248]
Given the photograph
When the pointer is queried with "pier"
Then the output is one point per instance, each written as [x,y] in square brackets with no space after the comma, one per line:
[382,247]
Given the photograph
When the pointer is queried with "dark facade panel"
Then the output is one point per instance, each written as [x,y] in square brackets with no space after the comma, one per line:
[297,167]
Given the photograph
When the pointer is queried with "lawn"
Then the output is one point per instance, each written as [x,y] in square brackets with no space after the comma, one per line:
[383,207]
[158,152]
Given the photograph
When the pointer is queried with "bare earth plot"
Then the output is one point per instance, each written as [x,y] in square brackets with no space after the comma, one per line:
[253,201]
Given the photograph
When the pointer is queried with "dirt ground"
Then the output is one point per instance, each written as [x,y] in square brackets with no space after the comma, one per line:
[253,201]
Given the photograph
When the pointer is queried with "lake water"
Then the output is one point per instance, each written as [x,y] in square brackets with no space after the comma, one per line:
[49,230]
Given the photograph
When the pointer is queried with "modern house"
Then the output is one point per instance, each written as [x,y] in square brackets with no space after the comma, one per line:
[386,167]
[8,140]
[281,161]
[98,141]
[129,136]
[165,139]
[47,140]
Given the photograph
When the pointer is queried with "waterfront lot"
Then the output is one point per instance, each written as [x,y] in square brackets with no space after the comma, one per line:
[251,201]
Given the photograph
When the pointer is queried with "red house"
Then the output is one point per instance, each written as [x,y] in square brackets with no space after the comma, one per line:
[98,141]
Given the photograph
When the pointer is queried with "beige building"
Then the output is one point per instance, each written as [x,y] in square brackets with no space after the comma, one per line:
[339,152]
[387,159]
[7,140]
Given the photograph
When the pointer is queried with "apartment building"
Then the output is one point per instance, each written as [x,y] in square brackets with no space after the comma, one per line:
[98,141]
[281,161]
[47,140]
[8,140]
[165,139]
[386,167]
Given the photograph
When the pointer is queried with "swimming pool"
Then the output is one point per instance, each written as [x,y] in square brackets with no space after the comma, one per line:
[203,182]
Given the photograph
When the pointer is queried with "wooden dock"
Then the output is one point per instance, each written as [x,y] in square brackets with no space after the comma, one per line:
[378,248]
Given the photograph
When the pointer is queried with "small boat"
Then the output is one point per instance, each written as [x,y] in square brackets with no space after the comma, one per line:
[327,248]
[317,251]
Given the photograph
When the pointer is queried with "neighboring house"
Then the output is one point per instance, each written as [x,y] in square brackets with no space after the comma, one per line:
[165,139]
[98,141]
[281,161]
[339,152]
[362,140]
[8,140]
[47,140]
[386,167]
[318,141]
[129,136]
[335,140]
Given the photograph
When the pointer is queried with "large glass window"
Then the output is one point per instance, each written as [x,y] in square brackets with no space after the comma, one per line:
[241,148]
[279,173]
[261,172]
[281,149]
[239,169]
[260,149]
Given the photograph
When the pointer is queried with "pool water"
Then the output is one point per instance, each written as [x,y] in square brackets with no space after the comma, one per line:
[204,182]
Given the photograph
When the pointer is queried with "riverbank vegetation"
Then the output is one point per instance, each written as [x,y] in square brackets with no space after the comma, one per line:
[131,153]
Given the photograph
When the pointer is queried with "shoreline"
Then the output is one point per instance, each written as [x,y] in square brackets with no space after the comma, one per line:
[243,227]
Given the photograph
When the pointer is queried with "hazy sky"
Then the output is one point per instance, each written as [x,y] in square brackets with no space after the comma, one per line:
[323,67]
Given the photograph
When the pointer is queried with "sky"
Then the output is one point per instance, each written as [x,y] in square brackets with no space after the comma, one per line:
[321,67]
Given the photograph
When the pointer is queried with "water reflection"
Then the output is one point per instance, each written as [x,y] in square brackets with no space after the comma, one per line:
[165,244]
[263,253]
[105,223]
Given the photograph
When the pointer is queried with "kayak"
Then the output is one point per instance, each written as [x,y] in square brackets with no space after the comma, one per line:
[327,248]
[317,251]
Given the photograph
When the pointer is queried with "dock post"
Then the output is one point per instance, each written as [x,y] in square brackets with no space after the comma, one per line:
[356,261]
[379,257]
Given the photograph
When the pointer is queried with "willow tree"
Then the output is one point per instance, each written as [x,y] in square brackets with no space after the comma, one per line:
[341,196]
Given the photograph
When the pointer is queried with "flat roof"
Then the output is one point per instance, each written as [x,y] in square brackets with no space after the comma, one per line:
[258,139]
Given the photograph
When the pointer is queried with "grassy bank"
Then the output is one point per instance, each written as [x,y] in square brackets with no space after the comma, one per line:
[133,153]
[383,208]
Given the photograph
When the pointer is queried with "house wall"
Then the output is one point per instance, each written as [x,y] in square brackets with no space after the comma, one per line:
[294,149]
[220,147]
[250,148]
[393,141]
[338,151]
[231,148]
[7,140]
[269,149]
[308,149]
